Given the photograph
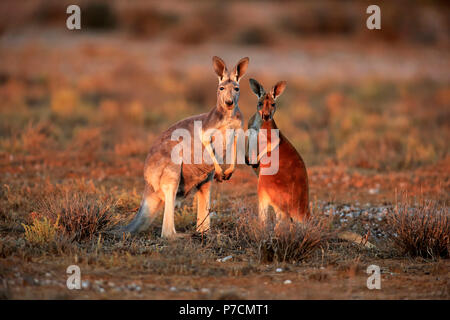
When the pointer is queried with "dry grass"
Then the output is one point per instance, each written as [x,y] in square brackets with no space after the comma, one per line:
[284,241]
[97,119]
[422,230]
[77,215]
[42,231]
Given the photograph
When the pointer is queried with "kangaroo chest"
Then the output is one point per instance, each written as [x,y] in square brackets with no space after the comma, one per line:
[234,122]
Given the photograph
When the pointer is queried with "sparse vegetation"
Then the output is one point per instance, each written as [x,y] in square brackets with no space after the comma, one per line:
[421,230]
[79,111]
[42,231]
[284,241]
[80,216]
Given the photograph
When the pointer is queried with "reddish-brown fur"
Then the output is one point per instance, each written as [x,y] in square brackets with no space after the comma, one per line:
[288,188]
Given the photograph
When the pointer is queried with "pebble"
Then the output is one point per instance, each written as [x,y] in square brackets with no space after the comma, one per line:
[225,259]
[85,284]
[46,282]
[287,281]
[279,270]
[133,286]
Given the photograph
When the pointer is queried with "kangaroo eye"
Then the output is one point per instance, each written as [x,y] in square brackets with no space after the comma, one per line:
[221,88]
[236,89]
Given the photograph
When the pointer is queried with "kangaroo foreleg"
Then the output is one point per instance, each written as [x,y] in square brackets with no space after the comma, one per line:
[218,175]
[228,172]
[268,148]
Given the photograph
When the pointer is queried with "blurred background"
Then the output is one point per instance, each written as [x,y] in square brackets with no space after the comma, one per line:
[372,99]
[368,110]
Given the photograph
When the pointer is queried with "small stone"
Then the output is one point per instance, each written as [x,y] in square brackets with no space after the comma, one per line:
[287,282]
[85,284]
[205,290]
[279,270]
[173,289]
[131,286]
[225,259]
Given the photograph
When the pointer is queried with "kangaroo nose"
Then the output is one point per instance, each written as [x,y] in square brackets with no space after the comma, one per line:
[229,102]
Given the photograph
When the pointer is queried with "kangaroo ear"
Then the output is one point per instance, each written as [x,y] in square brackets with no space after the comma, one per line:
[278,89]
[240,68]
[219,67]
[256,88]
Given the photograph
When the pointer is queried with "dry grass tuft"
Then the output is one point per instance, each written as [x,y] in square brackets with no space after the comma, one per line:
[42,231]
[421,231]
[77,215]
[284,241]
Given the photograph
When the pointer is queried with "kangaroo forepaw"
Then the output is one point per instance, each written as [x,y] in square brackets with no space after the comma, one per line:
[219,176]
[227,175]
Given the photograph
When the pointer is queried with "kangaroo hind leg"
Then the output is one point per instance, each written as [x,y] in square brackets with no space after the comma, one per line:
[263,207]
[203,201]
[169,185]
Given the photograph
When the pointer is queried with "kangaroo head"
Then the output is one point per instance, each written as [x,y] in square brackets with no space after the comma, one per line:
[228,89]
[266,101]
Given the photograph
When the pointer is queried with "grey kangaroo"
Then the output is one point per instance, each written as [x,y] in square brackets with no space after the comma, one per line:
[166,181]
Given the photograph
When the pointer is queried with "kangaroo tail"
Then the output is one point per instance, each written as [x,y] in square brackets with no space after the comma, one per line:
[140,222]
[355,238]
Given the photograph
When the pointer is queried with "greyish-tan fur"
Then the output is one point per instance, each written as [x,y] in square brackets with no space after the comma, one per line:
[166,181]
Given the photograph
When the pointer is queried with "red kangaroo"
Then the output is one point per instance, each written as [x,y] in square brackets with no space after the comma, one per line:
[287,189]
